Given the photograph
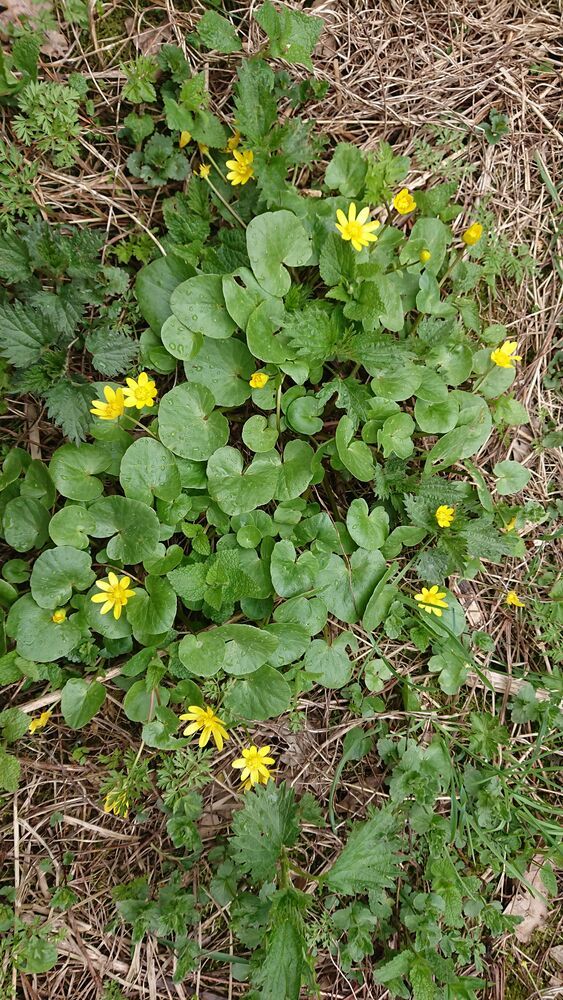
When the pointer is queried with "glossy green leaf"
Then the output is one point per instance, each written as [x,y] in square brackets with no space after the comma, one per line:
[199,304]
[80,700]
[148,470]
[261,695]
[57,572]
[189,424]
[272,240]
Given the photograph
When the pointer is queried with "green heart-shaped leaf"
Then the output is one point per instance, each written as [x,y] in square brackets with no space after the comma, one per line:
[236,491]
[199,304]
[148,470]
[189,424]
[56,572]
[272,240]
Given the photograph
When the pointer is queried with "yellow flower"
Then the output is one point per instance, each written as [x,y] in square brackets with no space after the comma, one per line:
[444,516]
[504,355]
[184,139]
[115,594]
[432,600]
[424,256]
[112,408]
[258,380]
[203,148]
[58,616]
[204,170]
[255,766]
[356,229]
[513,600]
[209,723]
[404,202]
[472,235]
[140,393]
[240,169]
[510,526]
[40,722]
[117,803]
[233,142]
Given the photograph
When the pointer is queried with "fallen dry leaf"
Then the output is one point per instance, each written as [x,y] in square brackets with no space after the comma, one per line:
[531,906]
[28,11]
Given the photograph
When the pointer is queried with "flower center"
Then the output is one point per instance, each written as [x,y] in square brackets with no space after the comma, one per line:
[116,595]
[355,229]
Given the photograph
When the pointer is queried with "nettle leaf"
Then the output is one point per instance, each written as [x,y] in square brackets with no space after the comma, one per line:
[368,529]
[223,367]
[24,334]
[262,828]
[346,171]
[292,34]
[262,695]
[199,304]
[356,456]
[154,286]
[80,700]
[511,477]
[272,240]
[73,469]
[329,664]
[237,491]
[189,424]
[148,470]
[57,572]
[38,638]
[132,528]
[217,33]
[281,971]
[370,860]
[68,406]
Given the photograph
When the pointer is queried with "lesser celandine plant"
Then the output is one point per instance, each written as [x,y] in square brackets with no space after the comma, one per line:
[295,458]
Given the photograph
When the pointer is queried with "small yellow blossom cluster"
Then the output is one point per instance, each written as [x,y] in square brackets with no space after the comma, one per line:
[504,355]
[255,762]
[403,202]
[258,380]
[240,168]
[59,616]
[473,234]
[432,601]
[116,802]
[355,226]
[445,516]
[140,393]
[40,721]
[115,594]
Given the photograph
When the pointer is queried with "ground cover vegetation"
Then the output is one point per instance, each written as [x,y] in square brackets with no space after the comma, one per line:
[277,475]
